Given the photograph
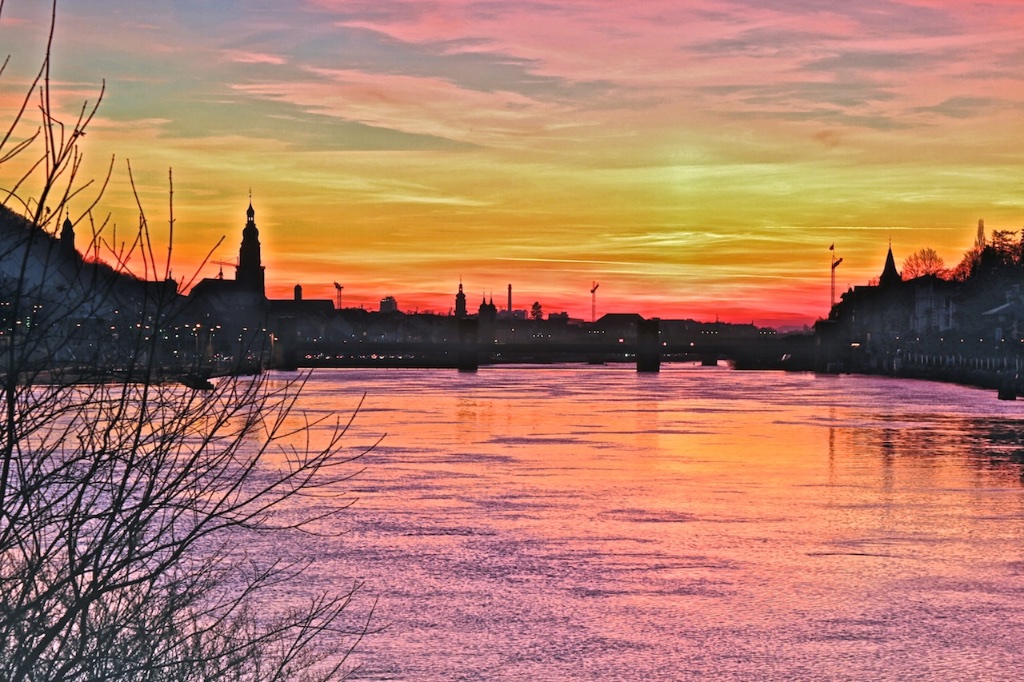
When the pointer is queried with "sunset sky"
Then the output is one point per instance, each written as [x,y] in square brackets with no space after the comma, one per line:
[696,158]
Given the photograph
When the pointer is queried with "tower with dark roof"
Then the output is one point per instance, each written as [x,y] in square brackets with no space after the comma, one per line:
[487,309]
[487,316]
[250,272]
[890,275]
[460,303]
[67,239]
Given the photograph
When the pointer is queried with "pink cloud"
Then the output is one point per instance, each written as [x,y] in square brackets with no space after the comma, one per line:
[245,57]
[412,104]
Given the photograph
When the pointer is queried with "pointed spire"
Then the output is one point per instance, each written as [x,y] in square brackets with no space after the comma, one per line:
[460,301]
[67,237]
[890,275]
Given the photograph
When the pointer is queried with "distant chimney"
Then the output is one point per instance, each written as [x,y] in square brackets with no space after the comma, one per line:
[509,299]
[298,292]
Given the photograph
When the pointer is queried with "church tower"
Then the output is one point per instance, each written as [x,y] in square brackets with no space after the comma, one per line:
[67,239]
[460,303]
[249,271]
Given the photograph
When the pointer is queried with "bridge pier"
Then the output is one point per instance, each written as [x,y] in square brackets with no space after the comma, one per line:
[284,356]
[468,359]
[648,346]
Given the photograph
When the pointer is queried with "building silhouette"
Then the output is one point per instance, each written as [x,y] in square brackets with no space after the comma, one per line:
[487,314]
[238,303]
[928,325]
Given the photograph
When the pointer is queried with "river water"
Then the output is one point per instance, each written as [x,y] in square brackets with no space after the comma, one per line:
[592,523]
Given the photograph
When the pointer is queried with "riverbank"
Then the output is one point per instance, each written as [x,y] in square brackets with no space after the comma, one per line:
[1003,375]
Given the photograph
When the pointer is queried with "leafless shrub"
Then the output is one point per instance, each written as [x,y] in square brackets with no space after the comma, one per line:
[127,503]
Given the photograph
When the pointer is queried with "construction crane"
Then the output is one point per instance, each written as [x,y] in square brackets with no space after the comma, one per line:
[593,301]
[337,295]
[835,264]
[222,263]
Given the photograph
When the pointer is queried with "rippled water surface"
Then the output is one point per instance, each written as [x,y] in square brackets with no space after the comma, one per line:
[580,523]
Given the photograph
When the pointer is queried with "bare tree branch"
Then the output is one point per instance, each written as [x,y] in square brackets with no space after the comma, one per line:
[129,503]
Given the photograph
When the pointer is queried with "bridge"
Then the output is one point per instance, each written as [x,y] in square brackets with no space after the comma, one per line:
[766,353]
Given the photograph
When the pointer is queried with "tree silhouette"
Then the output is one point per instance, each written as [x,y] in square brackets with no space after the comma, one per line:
[924,261]
[536,312]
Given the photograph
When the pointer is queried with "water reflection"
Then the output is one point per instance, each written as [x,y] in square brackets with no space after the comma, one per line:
[930,444]
[592,523]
